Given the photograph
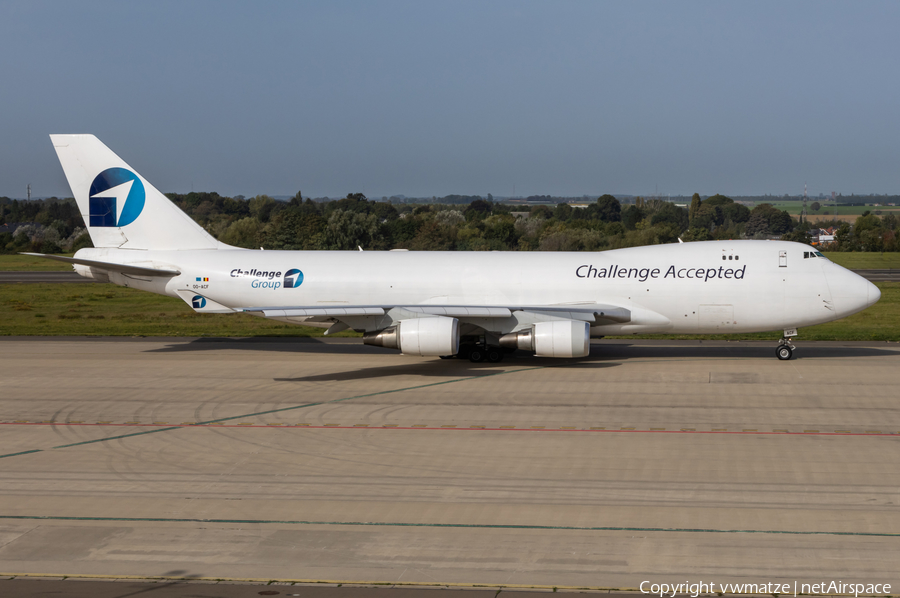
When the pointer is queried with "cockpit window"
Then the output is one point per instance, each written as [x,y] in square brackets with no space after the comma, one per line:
[819,254]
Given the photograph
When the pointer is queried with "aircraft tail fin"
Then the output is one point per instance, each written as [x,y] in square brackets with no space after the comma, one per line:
[120,208]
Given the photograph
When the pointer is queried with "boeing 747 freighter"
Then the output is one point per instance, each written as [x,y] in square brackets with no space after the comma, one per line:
[477,305]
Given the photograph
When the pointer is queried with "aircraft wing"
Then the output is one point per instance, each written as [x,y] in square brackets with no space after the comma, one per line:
[581,311]
[110,266]
[329,312]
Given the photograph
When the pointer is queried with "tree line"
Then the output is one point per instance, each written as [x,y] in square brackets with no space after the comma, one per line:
[55,225]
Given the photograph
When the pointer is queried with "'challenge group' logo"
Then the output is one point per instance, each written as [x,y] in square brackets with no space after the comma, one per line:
[116,198]
[270,279]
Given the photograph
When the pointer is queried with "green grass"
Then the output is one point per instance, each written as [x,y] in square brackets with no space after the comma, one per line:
[793,208]
[108,310]
[864,260]
[27,263]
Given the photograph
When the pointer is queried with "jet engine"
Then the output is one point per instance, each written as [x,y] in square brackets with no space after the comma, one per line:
[421,336]
[559,338]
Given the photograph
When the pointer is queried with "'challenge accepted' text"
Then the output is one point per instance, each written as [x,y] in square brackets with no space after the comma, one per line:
[642,274]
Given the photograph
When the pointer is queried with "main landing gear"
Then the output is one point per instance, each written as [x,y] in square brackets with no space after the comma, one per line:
[478,352]
[786,348]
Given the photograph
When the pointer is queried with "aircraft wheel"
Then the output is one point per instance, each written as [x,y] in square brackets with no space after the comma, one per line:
[784,352]
[495,355]
[476,355]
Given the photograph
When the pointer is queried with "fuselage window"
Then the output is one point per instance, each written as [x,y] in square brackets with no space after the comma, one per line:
[730,257]
[723,258]
[736,257]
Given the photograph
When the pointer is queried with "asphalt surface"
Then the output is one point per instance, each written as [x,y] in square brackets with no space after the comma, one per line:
[78,588]
[9,277]
[13,277]
[890,275]
[329,461]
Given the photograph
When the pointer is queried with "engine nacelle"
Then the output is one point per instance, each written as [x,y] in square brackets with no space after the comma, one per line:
[559,338]
[420,336]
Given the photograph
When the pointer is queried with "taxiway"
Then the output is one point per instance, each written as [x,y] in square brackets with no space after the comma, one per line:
[311,460]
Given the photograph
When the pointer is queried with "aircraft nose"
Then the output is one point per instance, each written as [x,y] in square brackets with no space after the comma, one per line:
[874,294]
[850,291]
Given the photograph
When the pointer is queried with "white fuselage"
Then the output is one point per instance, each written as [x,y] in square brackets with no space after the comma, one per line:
[703,287]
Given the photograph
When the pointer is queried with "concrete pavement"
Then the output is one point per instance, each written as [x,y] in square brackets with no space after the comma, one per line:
[312,460]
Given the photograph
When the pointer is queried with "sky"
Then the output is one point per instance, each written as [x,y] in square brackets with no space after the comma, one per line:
[428,98]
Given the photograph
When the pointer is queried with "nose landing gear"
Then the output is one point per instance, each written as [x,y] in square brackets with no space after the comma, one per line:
[786,348]
[785,351]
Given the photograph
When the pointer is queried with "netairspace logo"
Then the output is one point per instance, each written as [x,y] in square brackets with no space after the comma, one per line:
[198,302]
[116,198]
[671,590]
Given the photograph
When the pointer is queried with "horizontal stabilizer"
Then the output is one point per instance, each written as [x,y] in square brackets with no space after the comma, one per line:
[110,266]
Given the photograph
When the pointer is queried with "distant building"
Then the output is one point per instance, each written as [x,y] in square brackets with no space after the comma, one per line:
[822,236]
